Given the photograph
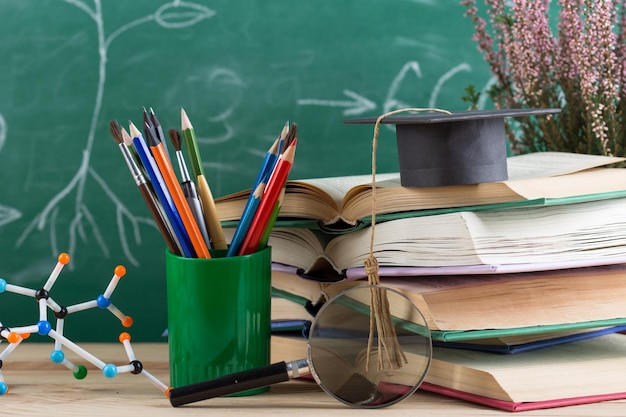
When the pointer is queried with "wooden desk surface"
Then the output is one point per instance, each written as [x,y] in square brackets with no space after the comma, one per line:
[39,387]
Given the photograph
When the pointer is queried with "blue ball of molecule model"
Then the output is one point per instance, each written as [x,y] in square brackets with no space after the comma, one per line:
[44,327]
[57,356]
[109,370]
[102,301]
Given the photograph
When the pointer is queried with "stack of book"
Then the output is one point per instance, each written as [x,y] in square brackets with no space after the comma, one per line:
[535,265]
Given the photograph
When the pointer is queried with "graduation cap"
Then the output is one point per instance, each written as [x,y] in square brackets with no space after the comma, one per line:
[466,147]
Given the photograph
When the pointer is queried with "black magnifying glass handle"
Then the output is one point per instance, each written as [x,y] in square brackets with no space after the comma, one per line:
[237,382]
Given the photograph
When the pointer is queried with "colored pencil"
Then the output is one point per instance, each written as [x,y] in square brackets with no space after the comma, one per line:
[269,161]
[270,224]
[282,136]
[161,191]
[129,145]
[211,217]
[188,187]
[246,218]
[171,182]
[144,188]
[191,143]
[272,192]
[267,166]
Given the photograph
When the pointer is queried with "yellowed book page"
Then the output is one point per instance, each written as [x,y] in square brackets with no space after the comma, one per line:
[298,247]
[296,285]
[338,187]
[284,309]
[559,233]
[509,301]
[287,349]
[416,241]
[549,164]
[597,180]
[587,367]
[549,234]
[533,165]
[572,297]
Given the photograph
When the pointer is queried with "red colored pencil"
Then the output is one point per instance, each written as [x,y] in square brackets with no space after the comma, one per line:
[272,192]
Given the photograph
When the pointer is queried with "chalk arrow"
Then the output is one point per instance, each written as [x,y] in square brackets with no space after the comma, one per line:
[357,105]
[8,214]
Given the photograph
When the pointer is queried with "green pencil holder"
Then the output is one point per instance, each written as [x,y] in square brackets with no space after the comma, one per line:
[218,315]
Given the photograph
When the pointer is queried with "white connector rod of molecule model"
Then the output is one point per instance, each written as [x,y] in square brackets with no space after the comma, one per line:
[15,335]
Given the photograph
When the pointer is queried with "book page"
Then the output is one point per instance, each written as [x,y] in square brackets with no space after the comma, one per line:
[547,234]
[577,369]
[586,182]
[338,187]
[434,284]
[427,284]
[549,164]
[532,165]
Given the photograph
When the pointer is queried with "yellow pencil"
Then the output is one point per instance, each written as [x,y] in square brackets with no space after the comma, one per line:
[211,218]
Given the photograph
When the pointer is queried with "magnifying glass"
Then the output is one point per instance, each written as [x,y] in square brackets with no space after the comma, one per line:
[368,347]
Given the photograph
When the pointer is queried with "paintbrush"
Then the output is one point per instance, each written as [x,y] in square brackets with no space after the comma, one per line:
[188,186]
[144,188]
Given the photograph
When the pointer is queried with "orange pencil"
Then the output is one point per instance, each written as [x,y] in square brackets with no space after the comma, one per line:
[272,192]
[171,182]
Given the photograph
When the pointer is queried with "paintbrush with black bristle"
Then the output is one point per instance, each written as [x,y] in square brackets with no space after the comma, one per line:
[144,188]
[291,135]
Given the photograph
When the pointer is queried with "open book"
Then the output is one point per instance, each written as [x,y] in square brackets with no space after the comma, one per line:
[342,202]
[580,372]
[461,308]
[528,238]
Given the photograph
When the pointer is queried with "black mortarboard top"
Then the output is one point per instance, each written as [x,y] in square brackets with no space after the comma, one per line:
[466,147]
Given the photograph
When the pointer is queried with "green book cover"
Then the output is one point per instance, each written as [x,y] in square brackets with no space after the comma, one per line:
[458,336]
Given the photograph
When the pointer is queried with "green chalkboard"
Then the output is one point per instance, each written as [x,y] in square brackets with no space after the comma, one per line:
[240,69]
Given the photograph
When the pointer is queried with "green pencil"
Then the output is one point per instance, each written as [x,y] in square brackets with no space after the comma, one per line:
[270,224]
[191,144]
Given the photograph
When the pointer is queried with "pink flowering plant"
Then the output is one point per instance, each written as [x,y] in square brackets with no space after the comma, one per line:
[579,66]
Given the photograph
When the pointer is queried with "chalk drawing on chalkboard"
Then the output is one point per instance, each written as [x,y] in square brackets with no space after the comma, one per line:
[225,78]
[172,15]
[3,131]
[442,80]
[359,104]
[7,214]
[391,101]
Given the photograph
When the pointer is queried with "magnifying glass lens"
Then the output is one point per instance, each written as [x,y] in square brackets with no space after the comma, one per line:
[369,347]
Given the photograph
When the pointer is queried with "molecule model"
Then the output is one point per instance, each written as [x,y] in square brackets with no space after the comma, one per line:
[15,335]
